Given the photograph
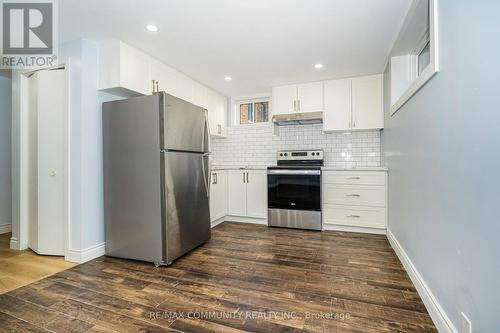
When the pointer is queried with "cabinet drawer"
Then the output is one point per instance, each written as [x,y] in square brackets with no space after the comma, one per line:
[367,217]
[354,177]
[360,195]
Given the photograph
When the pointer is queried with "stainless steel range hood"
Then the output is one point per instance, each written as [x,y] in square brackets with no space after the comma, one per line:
[305,118]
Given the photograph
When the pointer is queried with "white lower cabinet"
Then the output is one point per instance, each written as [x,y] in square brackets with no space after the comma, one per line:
[256,193]
[354,199]
[247,193]
[218,195]
[354,216]
[237,193]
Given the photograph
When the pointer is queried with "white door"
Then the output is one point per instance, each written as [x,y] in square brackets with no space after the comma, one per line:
[337,114]
[236,193]
[218,195]
[284,99]
[310,97]
[48,110]
[257,193]
[367,102]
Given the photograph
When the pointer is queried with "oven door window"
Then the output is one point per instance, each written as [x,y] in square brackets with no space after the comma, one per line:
[300,192]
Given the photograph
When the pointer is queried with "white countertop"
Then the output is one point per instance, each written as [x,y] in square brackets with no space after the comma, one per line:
[264,167]
[327,168]
[239,167]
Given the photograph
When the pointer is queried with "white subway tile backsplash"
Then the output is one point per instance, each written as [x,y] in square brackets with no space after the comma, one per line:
[257,144]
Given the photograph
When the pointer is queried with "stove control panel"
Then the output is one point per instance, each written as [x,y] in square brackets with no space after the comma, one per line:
[299,155]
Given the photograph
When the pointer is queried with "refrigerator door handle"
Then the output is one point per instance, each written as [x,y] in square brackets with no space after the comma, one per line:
[206,175]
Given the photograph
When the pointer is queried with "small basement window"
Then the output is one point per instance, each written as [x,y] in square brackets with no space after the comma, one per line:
[251,112]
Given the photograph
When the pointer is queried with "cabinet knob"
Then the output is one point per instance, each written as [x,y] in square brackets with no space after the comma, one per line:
[52,173]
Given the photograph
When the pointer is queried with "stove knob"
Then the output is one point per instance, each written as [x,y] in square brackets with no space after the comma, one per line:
[281,154]
[286,154]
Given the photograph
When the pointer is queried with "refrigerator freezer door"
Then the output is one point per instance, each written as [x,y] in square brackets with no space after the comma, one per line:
[183,125]
[132,179]
[186,202]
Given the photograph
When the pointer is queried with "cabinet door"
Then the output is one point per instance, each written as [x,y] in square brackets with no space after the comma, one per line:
[257,193]
[310,97]
[367,102]
[218,195]
[337,113]
[236,193]
[284,99]
[134,70]
[219,115]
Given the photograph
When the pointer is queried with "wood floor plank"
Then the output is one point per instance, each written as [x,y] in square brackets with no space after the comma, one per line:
[11,324]
[247,278]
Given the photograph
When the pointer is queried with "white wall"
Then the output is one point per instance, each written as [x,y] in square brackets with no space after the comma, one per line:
[86,178]
[257,145]
[86,218]
[5,154]
[442,150]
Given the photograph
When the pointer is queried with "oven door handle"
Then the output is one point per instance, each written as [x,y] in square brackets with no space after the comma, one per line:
[294,172]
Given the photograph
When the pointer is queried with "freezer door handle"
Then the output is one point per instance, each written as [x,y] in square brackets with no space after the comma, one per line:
[206,141]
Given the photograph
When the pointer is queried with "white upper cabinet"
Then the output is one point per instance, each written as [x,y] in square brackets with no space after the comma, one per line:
[307,97]
[124,71]
[310,97]
[128,72]
[367,102]
[354,104]
[217,114]
[337,114]
[284,99]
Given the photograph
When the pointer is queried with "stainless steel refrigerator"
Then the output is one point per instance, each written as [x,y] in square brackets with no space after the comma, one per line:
[156,178]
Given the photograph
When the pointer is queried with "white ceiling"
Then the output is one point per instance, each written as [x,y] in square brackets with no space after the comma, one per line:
[259,43]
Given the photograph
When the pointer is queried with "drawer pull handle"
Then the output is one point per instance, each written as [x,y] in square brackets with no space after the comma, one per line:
[354,178]
[353,195]
[354,216]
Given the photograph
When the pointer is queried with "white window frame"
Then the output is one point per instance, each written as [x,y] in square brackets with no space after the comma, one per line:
[236,102]
[433,66]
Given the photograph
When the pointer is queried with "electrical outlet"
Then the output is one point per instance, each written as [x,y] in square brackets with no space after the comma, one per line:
[466,324]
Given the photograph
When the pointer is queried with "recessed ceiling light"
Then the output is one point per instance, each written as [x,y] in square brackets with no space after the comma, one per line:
[227,78]
[318,66]
[152,28]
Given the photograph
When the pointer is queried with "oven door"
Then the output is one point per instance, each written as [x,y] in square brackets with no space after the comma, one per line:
[294,189]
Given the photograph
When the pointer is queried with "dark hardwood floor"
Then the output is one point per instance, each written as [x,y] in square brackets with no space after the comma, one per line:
[248,278]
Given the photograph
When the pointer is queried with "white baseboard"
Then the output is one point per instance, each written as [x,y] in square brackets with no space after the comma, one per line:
[354,229]
[437,313]
[84,255]
[5,228]
[217,222]
[14,243]
[231,218]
